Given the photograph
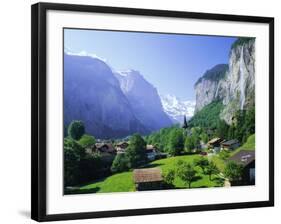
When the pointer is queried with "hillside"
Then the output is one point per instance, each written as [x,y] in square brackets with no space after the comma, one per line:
[248,145]
[208,117]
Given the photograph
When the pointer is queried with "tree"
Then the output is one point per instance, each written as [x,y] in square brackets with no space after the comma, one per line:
[87,141]
[202,163]
[233,171]
[231,132]
[224,154]
[184,126]
[90,167]
[120,163]
[187,173]
[243,125]
[73,153]
[179,163]
[176,142]
[188,144]
[222,130]
[169,177]
[196,140]
[250,121]
[204,137]
[76,130]
[211,169]
[136,151]
[240,128]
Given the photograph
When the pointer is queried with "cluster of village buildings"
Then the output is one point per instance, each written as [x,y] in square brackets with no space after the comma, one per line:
[108,150]
[244,157]
[151,178]
[217,144]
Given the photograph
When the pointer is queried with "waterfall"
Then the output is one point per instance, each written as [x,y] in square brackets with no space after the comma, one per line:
[217,90]
[242,79]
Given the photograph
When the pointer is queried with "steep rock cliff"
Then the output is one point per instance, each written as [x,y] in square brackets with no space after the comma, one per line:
[234,84]
[209,86]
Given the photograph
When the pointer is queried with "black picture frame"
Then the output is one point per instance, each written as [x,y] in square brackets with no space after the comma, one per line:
[39,123]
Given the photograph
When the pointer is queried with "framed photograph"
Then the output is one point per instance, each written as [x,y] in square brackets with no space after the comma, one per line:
[139,111]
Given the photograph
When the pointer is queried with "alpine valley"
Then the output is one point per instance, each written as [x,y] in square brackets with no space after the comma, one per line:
[115,104]
[121,134]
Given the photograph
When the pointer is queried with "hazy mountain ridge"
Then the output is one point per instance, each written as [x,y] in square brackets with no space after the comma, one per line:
[94,94]
[144,99]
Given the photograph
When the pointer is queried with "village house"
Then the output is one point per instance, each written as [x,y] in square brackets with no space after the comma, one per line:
[230,144]
[247,159]
[148,179]
[105,148]
[151,152]
[107,154]
[106,151]
[215,144]
[121,147]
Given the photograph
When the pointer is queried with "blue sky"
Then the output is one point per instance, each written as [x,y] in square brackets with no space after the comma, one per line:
[171,62]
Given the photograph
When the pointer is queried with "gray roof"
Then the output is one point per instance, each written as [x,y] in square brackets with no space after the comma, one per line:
[243,157]
[230,142]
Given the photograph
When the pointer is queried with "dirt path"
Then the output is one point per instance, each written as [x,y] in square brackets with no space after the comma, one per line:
[226,183]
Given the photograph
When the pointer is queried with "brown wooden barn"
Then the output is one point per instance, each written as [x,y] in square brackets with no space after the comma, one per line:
[148,179]
[247,159]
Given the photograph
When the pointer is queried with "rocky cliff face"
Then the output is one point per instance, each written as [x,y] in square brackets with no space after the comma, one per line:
[209,87]
[233,84]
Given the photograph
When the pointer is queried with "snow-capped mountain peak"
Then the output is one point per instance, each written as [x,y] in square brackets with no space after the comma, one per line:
[177,108]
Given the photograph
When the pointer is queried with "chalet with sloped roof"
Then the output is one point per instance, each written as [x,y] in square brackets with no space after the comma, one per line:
[247,159]
[230,144]
[148,179]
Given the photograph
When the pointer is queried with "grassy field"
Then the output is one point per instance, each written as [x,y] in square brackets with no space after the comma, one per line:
[123,182]
[202,180]
[120,182]
[219,162]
